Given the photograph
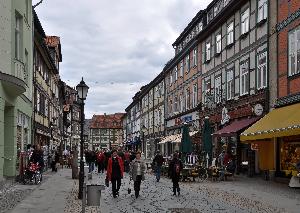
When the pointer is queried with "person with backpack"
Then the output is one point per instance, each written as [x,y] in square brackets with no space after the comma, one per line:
[158,162]
[175,168]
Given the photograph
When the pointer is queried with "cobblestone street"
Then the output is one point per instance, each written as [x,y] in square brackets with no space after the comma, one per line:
[58,193]
[241,195]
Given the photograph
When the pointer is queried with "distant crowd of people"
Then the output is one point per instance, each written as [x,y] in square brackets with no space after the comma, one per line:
[116,162]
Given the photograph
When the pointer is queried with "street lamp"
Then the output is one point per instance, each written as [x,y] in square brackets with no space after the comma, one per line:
[82,90]
[144,129]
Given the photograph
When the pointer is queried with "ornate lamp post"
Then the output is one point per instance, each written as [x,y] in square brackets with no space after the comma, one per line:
[82,90]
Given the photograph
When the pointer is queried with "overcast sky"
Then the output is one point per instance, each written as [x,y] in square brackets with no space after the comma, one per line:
[116,45]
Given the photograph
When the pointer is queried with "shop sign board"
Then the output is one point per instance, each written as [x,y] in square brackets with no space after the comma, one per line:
[254,146]
[187,119]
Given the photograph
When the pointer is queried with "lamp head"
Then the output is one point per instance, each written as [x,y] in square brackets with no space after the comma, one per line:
[82,90]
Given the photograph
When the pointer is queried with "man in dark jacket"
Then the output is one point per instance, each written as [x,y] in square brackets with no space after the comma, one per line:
[175,168]
[158,162]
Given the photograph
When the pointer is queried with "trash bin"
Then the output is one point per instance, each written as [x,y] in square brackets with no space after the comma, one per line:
[94,194]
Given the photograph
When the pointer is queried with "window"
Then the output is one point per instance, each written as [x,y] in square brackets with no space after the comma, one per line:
[207,90]
[245,22]
[46,107]
[38,101]
[170,106]
[244,78]
[187,63]
[210,15]
[218,89]
[230,33]
[294,52]
[195,57]
[180,103]
[218,43]
[200,26]
[207,51]
[195,95]
[226,2]
[176,104]
[229,84]
[187,99]
[176,73]
[181,68]
[262,70]
[262,10]
[18,37]
[171,78]
[26,67]
[218,7]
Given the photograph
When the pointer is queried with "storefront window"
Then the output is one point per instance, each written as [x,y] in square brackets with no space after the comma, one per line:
[289,155]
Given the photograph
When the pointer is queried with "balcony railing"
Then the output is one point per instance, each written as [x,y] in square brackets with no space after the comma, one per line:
[19,70]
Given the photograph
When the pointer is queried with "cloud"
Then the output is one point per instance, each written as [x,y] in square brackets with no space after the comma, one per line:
[117,46]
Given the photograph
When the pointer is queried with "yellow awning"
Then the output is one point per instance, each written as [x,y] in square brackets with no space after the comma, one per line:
[284,121]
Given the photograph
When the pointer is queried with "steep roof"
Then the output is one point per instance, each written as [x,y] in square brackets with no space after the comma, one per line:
[113,121]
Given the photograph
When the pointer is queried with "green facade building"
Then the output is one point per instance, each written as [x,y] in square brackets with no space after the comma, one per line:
[16,50]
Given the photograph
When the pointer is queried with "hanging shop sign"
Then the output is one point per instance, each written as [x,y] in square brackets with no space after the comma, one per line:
[225,116]
[254,146]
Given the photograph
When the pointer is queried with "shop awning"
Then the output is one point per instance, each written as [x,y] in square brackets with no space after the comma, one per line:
[284,121]
[235,127]
[169,138]
[174,138]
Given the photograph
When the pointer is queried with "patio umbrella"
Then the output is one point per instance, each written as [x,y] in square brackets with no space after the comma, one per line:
[207,138]
[186,142]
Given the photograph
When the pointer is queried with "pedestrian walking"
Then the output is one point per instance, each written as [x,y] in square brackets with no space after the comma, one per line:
[175,168]
[115,169]
[127,161]
[100,161]
[158,162]
[137,173]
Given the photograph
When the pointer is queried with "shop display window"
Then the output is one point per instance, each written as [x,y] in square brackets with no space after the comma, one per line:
[289,155]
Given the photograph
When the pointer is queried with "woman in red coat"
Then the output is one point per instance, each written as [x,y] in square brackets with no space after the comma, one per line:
[115,169]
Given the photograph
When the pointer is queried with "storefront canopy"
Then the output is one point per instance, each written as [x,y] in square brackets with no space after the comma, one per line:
[175,138]
[284,121]
[235,127]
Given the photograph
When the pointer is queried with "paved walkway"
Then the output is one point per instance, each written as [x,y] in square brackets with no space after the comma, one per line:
[50,196]
[59,194]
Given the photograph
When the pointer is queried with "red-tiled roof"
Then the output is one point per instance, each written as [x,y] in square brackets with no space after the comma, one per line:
[113,121]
